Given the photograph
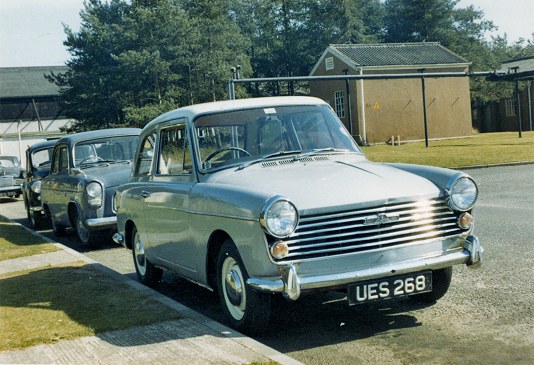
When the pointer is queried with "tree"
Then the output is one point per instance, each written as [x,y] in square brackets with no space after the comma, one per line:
[132,61]
[418,20]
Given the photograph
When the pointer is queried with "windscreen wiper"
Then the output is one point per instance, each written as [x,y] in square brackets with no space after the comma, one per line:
[266,157]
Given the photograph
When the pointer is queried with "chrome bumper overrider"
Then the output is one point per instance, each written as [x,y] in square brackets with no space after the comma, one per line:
[101,222]
[118,238]
[291,284]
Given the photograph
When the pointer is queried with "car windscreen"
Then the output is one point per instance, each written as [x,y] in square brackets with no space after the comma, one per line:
[106,149]
[225,139]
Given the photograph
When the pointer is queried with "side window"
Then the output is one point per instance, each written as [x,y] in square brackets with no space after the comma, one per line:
[144,161]
[174,157]
[61,160]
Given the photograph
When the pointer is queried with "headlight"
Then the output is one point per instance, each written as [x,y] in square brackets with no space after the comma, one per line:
[279,217]
[463,194]
[36,187]
[94,194]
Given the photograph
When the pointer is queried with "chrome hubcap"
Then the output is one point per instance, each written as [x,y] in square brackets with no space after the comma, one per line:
[234,287]
[140,261]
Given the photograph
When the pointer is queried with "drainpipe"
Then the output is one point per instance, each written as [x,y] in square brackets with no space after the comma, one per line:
[529,95]
[349,106]
[362,102]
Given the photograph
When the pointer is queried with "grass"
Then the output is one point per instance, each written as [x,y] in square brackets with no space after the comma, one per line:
[63,302]
[480,149]
[12,247]
[69,301]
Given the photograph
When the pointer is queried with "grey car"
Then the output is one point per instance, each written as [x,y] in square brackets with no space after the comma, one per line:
[260,197]
[38,162]
[86,170]
[10,176]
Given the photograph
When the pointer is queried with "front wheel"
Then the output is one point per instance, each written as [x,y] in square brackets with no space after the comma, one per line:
[441,281]
[245,309]
[147,273]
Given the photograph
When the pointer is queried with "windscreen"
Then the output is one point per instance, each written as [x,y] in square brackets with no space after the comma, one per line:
[238,136]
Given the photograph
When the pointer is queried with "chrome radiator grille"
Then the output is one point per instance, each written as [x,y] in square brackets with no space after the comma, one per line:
[372,228]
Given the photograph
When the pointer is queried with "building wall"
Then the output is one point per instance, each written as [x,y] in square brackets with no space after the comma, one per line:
[393,107]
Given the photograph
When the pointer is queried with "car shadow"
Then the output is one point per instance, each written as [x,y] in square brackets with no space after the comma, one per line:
[315,320]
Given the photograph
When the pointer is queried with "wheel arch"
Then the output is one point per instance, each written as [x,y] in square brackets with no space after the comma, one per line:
[72,210]
[128,230]
[215,243]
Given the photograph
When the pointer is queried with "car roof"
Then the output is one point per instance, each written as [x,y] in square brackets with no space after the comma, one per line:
[85,136]
[44,144]
[229,105]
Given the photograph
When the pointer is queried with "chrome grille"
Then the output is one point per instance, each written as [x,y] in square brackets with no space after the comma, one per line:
[7,181]
[372,228]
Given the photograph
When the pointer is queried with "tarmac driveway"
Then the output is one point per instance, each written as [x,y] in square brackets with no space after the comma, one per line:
[486,317]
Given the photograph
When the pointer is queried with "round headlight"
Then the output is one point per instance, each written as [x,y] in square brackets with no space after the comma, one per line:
[279,217]
[94,194]
[36,186]
[463,194]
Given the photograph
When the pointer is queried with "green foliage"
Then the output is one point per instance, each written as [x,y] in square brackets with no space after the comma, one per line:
[134,59]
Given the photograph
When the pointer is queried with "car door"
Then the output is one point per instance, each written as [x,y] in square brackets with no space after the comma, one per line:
[55,187]
[166,201]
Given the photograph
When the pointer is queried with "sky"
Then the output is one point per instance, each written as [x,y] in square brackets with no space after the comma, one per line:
[31,31]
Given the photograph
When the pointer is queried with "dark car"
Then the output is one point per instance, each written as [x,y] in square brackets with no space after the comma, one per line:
[86,170]
[10,177]
[38,159]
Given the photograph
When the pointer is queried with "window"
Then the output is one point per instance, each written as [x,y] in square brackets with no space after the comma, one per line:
[144,161]
[61,160]
[509,106]
[339,104]
[174,157]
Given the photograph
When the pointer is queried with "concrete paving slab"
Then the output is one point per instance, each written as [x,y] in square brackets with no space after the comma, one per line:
[182,341]
[37,261]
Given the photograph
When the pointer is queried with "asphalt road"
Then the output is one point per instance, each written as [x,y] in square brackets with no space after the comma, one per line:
[487,317]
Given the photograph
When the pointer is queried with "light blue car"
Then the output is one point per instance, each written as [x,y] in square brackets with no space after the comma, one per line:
[259,197]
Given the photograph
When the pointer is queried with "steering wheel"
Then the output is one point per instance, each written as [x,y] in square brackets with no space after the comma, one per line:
[213,154]
[95,158]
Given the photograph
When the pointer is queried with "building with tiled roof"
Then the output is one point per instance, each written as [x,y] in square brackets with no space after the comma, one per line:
[380,109]
[29,108]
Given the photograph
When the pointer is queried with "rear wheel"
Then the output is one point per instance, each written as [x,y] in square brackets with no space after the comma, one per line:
[147,273]
[246,310]
[441,281]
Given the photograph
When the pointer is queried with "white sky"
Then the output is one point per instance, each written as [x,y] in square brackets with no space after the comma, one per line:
[31,31]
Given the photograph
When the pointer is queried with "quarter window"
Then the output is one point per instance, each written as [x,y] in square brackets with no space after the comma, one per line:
[339,104]
[146,154]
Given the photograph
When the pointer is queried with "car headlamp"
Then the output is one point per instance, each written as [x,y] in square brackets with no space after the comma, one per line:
[463,194]
[279,217]
[36,187]
[94,194]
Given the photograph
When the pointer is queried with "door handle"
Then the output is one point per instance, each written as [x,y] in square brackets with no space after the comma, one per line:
[145,194]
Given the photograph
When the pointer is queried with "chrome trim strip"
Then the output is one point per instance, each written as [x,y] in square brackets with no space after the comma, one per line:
[429,235]
[101,222]
[277,285]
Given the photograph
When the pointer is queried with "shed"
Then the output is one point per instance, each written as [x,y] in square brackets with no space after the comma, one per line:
[29,108]
[375,110]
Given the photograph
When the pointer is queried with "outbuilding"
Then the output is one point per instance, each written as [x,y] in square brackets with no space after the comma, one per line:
[29,108]
[378,109]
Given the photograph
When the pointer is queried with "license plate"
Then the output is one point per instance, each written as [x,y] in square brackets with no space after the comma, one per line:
[393,287]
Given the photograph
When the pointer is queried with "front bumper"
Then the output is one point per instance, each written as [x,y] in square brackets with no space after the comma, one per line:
[291,284]
[11,190]
[101,223]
